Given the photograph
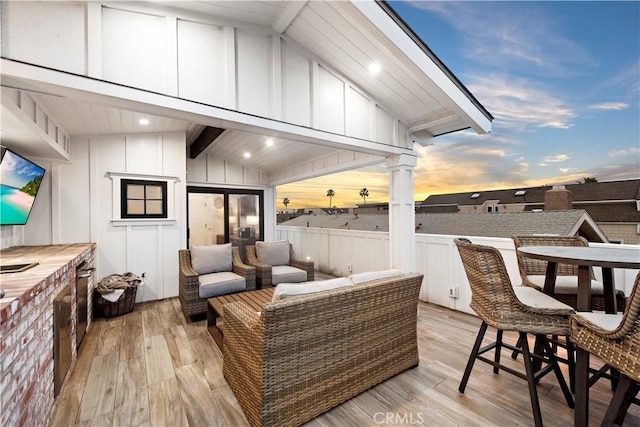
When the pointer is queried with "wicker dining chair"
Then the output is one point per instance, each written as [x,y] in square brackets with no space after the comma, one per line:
[521,309]
[533,271]
[614,338]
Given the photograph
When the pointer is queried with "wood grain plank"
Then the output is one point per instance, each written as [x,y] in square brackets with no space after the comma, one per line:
[151,323]
[132,340]
[68,405]
[179,346]
[230,407]
[169,316]
[210,361]
[131,401]
[165,404]
[99,393]
[200,405]
[110,338]
[157,359]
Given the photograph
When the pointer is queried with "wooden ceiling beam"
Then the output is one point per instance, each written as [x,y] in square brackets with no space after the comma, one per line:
[206,137]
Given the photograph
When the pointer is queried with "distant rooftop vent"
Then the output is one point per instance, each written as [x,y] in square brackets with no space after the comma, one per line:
[475,195]
[521,192]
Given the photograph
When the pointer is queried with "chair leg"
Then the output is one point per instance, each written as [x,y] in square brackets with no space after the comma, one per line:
[533,391]
[556,369]
[514,355]
[582,388]
[472,357]
[631,396]
[498,349]
[619,403]
[571,359]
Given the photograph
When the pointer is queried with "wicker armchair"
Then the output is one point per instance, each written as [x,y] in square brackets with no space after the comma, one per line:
[520,309]
[532,272]
[614,338]
[264,271]
[189,281]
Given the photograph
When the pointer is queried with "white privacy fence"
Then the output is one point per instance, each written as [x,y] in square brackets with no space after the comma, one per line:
[341,252]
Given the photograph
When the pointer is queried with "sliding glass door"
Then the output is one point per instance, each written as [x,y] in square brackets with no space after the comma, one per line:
[219,216]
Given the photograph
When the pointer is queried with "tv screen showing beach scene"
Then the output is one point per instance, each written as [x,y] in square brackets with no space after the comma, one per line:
[20,180]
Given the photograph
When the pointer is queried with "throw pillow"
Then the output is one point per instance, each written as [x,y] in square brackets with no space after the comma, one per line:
[211,258]
[374,275]
[287,290]
[273,253]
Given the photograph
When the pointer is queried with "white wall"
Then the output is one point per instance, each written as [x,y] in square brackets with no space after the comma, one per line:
[76,204]
[436,257]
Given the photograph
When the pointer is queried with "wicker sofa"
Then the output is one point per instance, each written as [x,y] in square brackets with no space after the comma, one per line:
[301,356]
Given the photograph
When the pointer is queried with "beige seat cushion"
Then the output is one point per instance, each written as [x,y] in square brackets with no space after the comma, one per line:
[216,284]
[608,322]
[567,285]
[287,290]
[533,298]
[287,274]
[211,258]
[273,253]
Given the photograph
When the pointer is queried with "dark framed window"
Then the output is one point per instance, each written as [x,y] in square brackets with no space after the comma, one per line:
[143,199]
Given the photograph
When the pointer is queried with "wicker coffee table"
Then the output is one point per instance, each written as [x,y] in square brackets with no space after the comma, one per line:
[254,299]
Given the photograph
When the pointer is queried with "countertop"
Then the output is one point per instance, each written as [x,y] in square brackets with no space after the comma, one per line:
[22,287]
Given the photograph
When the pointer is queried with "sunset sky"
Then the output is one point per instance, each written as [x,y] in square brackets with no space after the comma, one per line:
[562,80]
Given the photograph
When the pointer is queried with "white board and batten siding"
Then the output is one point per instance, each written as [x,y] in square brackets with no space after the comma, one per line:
[250,69]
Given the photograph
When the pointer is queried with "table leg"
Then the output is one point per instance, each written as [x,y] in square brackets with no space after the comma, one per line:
[582,388]
[584,288]
[609,290]
[550,278]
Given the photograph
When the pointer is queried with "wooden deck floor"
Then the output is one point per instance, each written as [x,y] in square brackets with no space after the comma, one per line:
[152,368]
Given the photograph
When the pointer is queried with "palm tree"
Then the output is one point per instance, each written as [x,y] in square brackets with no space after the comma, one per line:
[364,193]
[285,202]
[330,194]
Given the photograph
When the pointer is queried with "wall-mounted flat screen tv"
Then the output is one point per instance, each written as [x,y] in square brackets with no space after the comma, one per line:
[20,181]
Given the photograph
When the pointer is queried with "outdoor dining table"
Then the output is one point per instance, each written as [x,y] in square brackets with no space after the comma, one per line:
[607,258]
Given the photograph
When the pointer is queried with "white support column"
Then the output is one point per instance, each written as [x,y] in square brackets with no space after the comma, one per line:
[401,212]
[269,213]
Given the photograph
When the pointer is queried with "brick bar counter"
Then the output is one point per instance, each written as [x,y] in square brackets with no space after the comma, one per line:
[26,327]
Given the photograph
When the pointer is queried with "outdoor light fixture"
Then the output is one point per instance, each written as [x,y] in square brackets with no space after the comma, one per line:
[374,68]
[143,122]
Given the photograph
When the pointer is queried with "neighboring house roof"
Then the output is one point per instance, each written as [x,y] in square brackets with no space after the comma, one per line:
[563,223]
[612,201]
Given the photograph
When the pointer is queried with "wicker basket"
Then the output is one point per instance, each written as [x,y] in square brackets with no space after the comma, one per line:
[124,304]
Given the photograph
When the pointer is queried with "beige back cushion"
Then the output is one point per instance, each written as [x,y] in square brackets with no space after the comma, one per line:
[374,275]
[287,290]
[273,253]
[211,258]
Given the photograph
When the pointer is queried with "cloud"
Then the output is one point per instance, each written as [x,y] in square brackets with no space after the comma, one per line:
[610,106]
[625,152]
[520,104]
[556,159]
[509,37]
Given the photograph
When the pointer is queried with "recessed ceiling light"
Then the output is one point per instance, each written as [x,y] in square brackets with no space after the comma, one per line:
[247,155]
[269,142]
[143,122]
[374,68]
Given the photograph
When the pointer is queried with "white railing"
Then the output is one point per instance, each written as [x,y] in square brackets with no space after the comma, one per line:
[341,252]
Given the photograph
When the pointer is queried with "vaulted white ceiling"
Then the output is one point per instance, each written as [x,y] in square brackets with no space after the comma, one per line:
[342,34]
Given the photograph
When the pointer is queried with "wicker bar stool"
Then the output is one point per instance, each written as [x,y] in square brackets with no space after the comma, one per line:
[614,338]
[532,272]
[521,309]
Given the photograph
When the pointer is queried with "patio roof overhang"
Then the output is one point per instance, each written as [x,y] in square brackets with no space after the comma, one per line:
[344,36]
